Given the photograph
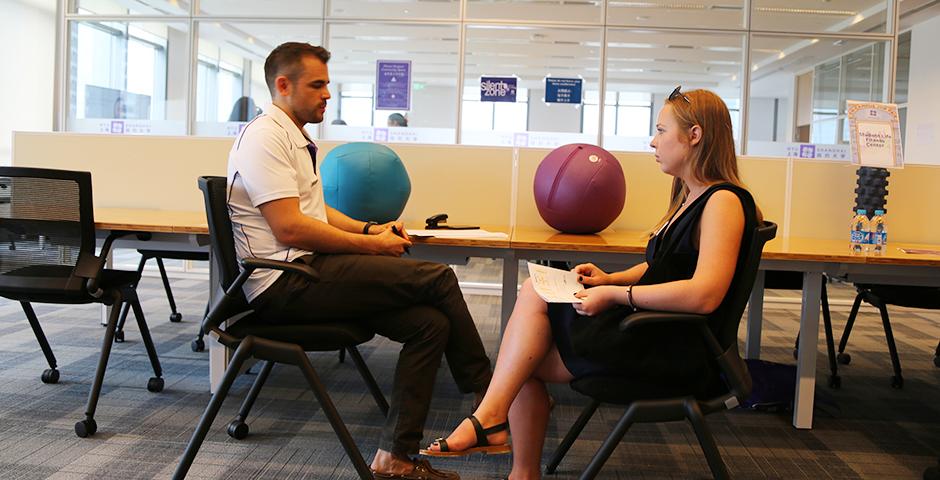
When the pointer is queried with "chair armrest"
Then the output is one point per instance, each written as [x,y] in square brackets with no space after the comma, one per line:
[253,263]
[649,318]
[93,274]
[659,318]
[227,304]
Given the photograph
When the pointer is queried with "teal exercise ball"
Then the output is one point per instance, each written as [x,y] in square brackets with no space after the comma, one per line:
[366,181]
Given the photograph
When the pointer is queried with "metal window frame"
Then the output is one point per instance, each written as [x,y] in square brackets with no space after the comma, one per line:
[64,17]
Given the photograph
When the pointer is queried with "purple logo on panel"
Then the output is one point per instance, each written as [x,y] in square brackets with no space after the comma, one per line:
[117,126]
[498,89]
[380,135]
[807,151]
[393,85]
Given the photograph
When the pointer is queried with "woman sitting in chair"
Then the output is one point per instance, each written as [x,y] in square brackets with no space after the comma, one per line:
[690,262]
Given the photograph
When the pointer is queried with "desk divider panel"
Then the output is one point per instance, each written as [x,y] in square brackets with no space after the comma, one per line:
[474,184]
[146,172]
[822,199]
[913,205]
[471,184]
[766,178]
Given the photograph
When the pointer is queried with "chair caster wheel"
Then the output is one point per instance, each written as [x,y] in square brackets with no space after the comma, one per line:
[119,336]
[50,375]
[238,429]
[197,345]
[155,384]
[86,428]
[835,382]
[897,382]
[796,354]
[844,358]
[176,317]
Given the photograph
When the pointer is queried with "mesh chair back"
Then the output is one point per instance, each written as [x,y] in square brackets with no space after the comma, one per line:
[740,289]
[222,242]
[47,227]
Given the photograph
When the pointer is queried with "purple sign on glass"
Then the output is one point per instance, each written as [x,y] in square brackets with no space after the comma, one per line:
[498,89]
[393,85]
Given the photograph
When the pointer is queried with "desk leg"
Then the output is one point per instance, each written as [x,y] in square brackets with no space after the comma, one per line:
[806,361]
[755,317]
[510,289]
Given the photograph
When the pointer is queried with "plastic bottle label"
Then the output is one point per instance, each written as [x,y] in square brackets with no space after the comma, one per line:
[859,236]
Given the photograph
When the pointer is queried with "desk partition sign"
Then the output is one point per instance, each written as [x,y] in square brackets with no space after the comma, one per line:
[498,89]
[875,134]
[563,90]
[393,85]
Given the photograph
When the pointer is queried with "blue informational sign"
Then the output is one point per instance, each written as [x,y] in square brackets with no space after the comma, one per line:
[498,89]
[563,90]
[393,85]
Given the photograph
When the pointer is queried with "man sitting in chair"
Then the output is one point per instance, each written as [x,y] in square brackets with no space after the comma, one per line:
[276,204]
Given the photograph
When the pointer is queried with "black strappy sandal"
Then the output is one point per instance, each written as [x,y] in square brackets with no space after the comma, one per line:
[481,446]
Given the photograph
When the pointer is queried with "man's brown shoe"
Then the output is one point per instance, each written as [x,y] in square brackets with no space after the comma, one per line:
[422,471]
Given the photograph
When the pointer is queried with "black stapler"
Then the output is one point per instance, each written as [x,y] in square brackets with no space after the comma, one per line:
[439,221]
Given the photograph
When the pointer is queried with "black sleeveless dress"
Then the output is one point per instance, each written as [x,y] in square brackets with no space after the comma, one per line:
[652,351]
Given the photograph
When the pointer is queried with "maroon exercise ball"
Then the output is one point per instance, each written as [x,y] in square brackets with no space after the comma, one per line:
[579,188]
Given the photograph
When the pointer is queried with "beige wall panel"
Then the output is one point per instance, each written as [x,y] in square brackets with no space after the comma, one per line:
[912,205]
[766,178]
[822,199]
[130,171]
[472,185]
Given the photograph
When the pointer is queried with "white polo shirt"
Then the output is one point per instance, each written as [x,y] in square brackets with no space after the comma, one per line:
[270,160]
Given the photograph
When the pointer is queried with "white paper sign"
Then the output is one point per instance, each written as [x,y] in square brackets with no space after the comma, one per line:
[875,134]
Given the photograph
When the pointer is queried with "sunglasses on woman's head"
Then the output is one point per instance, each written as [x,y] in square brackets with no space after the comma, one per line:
[678,94]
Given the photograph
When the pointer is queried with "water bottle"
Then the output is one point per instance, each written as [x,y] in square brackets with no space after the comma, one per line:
[859,232]
[879,233]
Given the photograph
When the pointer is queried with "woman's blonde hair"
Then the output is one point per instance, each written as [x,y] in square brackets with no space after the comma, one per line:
[713,159]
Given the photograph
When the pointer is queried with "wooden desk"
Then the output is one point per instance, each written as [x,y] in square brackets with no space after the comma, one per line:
[153,221]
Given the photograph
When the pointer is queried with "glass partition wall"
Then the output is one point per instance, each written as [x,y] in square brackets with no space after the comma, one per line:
[425,71]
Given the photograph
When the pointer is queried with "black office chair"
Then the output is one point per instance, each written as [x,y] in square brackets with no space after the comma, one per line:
[253,336]
[880,296]
[663,400]
[198,344]
[47,254]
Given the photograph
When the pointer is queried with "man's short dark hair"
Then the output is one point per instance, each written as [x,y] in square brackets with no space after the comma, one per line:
[286,59]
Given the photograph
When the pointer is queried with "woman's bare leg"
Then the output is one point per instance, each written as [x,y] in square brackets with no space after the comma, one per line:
[526,341]
[528,417]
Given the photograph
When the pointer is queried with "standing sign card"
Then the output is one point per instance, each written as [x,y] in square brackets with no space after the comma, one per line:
[393,85]
[875,134]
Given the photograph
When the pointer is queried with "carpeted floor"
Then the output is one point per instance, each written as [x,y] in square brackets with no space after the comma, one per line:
[864,430]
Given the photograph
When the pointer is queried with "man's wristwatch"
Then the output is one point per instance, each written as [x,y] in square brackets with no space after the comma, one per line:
[365,228]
